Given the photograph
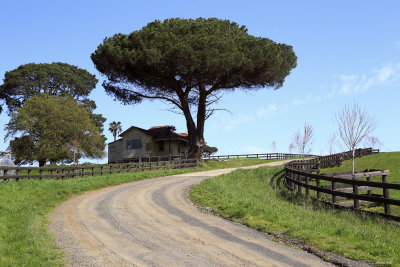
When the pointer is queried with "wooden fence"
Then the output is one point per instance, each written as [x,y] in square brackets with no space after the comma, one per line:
[268,156]
[16,173]
[342,189]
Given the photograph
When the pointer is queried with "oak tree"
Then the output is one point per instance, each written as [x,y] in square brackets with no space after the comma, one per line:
[190,63]
[57,78]
[55,129]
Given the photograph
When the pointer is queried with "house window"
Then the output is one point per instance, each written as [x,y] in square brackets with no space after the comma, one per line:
[133,144]
[161,146]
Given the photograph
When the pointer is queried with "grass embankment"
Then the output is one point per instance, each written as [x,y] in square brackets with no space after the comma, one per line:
[257,198]
[387,161]
[25,206]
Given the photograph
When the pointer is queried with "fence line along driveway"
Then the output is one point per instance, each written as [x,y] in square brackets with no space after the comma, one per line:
[152,223]
[267,156]
[344,189]
[140,164]
[16,173]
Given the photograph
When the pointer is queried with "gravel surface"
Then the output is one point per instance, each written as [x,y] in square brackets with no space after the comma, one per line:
[152,223]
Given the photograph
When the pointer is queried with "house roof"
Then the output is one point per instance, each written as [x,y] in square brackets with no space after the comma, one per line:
[159,133]
[132,128]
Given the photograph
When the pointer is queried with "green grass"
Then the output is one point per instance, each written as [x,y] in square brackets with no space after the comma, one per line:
[258,199]
[232,163]
[25,206]
[387,161]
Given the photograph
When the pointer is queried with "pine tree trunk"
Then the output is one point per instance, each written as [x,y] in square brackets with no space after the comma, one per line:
[195,132]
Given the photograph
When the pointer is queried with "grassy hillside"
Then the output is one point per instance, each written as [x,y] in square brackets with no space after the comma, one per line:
[388,161]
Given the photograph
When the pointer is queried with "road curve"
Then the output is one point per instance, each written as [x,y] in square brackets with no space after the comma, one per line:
[152,223]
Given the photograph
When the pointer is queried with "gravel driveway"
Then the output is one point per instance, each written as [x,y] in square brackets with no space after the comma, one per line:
[152,223]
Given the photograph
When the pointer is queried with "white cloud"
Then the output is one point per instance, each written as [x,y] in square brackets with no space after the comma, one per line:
[355,84]
[234,121]
[348,84]
[231,123]
[266,111]
[351,84]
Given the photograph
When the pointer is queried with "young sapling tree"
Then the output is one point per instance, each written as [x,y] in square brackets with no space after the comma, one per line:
[354,124]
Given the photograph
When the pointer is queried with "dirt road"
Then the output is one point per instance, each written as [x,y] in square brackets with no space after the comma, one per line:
[152,223]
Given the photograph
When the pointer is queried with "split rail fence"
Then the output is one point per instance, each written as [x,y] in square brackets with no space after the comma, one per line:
[344,189]
[267,156]
[16,173]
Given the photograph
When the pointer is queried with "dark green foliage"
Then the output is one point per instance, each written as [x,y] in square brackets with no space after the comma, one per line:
[59,79]
[189,63]
[53,129]
[24,149]
[189,53]
[209,150]
[52,79]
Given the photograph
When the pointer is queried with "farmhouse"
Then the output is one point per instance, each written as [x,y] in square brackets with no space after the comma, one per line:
[157,141]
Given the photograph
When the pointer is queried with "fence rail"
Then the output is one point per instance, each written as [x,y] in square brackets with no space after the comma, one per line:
[342,189]
[268,156]
[16,173]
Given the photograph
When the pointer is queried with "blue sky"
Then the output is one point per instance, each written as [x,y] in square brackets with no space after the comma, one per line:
[347,51]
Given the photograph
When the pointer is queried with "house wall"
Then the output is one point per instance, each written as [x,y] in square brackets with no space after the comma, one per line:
[174,148]
[117,151]
[138,152]
[114,151]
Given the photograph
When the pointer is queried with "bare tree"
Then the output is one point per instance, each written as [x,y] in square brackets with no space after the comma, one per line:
[302,141]
[331,143]
[372,141]
[291,148]
[273,146]
[354,124]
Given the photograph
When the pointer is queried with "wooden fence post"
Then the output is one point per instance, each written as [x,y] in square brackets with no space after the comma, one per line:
[355,193]
[369,191]
[101,171]
[386,195]
[299,184]
[333,189]
[17,173]
[29,173]
[307,186]
[318,192]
